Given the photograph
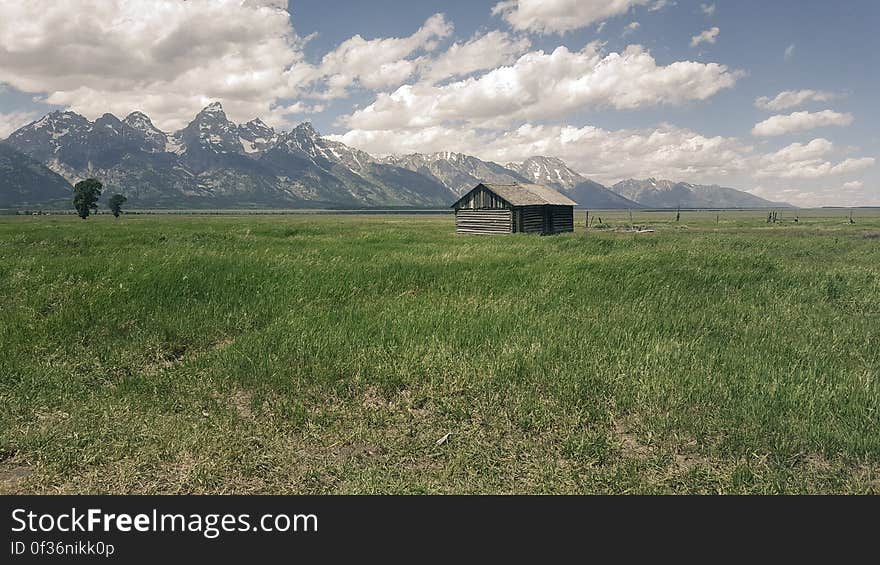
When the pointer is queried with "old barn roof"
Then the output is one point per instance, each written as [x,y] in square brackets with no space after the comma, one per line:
[528,194]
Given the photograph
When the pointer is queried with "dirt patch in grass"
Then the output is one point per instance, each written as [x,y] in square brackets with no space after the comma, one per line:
[373,399]
[12,475]
[630,445]
[241,401]
[224,343]
[818,463]
[170,355]
[164,357]
[686,462]
[351,451]
[871,476]
[684,457]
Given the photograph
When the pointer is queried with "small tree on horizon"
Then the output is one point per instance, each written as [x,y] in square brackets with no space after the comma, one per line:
[85,196]
[115,203]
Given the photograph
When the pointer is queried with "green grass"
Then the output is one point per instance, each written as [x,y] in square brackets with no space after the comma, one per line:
[328,354]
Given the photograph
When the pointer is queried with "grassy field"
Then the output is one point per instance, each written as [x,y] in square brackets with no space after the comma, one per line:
[384,354]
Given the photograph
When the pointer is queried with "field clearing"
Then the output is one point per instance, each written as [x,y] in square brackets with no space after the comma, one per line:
[330,353]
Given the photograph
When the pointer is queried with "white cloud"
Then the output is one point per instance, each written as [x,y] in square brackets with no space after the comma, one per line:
[708,9]
[375,64]
[808,161]
[544,85]
[789,53]
[709,36]
[819,147]
[792,98]
[660,4]
[302,108]
[13,120]
[169,58]
[631,28]
[607,156]
[853,165]
[853,185]
[559,16]
[483,52]
[166,57]
[800,121]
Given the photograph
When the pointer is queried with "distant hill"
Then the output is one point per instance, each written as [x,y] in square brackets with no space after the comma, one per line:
[654,193]
[25,181]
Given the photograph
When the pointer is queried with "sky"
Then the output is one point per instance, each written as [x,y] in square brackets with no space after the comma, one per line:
[778,98]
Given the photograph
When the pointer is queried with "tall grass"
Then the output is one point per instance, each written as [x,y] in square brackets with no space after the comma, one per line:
[330,353]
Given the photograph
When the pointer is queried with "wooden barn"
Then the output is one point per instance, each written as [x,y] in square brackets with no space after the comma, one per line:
[513,208]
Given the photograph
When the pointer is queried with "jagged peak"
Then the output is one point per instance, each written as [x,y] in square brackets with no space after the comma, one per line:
[306,127]
[64,114]
[212,109]
[534,158]
[208,117]
[139,120]
[55,119]
[138,115]
[449,155]
[257,127]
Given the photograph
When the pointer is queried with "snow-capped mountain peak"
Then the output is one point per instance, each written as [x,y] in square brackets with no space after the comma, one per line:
[59,123]
[155,139]
[550,171]
[46,137]
[259,126]
[457,171]
[139,120]
[210,131]
[213,108]
[255,136]
[661,193]
[110,122]
[305,139]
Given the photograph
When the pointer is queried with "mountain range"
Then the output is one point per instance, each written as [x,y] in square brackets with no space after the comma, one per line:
[655,193]
[214,162]
[25,181]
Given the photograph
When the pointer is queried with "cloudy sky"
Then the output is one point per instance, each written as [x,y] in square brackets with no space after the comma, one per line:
[778,98]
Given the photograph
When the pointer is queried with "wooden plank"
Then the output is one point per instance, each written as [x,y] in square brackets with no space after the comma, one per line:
[483,221]
[561,219]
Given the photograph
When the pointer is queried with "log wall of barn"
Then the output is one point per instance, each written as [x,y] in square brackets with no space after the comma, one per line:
[483,221]
[531,219]
[561,219]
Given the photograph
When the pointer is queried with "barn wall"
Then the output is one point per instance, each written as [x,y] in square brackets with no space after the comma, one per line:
[482,199]
[531,219]
[486,221]
[561,219]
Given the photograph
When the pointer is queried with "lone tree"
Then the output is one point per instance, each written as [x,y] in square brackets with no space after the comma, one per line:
[85,196]
[115,203]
